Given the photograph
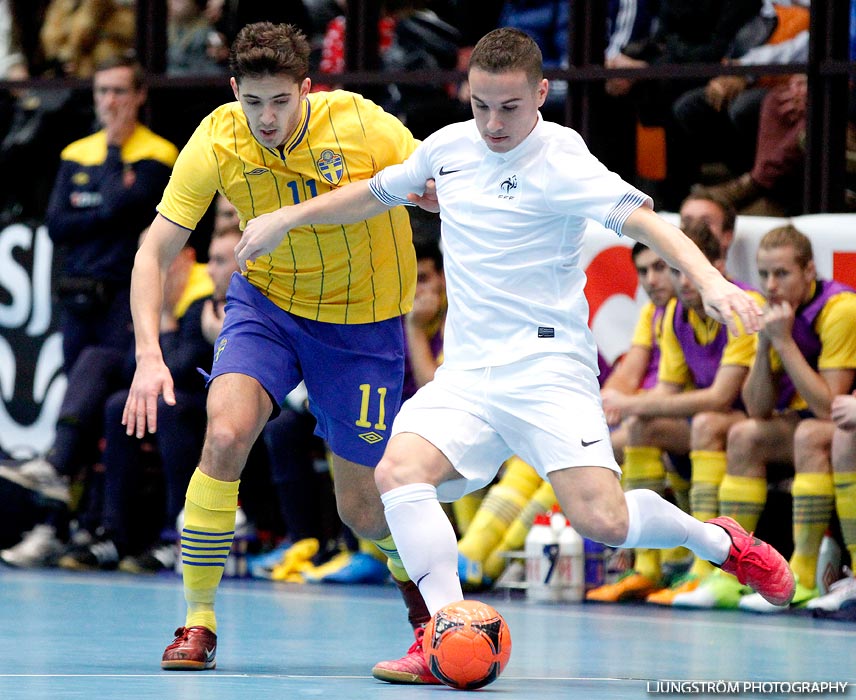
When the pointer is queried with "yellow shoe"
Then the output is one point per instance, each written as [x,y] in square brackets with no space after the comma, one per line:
[685,584]
[631,586]
[296,560]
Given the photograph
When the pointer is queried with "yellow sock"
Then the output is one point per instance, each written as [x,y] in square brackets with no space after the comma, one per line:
[643,469]
[647,563]
[393,558]
[465,509]
[680,488]
[708,471]
[814,499]
[741,498]
[206,538]
[502,505]
[845,504]
[371,548]
[515,535]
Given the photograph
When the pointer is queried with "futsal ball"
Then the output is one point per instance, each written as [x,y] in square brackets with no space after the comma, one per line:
[467,644]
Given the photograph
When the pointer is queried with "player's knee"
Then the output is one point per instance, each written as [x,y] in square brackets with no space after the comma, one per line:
[604,521]
[226,444]
[363,514]
[387,474]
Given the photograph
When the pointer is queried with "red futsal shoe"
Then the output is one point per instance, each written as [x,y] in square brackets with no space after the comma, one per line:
[193,649]
[757,564]
[411,668]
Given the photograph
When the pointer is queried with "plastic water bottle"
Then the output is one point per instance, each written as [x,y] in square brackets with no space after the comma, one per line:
[571,565]
[542,555]
[595,557]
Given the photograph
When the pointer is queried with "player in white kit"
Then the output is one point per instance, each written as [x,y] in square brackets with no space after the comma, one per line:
[520,368]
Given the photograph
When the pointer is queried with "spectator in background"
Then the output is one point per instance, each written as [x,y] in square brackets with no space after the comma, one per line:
[687,31]
[193,306]
[105,191]
[842,594]
[13,62]
[410,37]
[77,35]
[721,119]
[688,412]
[773,186]
[107,186]
[189,37]
[806,356]
[229,16]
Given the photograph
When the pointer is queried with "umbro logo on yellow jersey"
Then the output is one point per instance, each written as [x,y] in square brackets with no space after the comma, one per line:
[258,171]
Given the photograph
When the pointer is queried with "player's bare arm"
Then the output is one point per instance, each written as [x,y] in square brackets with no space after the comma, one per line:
[160,245]
[723,301]
[346,205]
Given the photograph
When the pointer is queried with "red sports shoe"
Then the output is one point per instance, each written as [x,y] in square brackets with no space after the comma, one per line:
[193,649]
[757,564]
[411,668]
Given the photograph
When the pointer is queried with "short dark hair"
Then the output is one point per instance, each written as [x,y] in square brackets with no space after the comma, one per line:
[729,212]
[264,48]
[506,49]
[125,59]
[700,234]
[638,248]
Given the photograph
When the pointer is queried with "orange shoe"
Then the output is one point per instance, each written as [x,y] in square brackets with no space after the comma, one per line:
[412,668]
[631,586]
[685,584]
[193,649]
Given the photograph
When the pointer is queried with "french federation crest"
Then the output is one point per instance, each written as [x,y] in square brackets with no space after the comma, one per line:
[330,165]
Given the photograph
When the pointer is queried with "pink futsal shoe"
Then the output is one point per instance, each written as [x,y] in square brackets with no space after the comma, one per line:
[757,564]
[410,668]
[193,649]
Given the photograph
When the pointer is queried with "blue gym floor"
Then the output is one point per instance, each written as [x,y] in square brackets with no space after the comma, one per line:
[87,636]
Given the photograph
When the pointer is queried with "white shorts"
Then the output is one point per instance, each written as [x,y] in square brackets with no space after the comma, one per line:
[545,409]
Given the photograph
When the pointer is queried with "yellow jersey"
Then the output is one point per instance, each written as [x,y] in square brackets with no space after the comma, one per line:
[355,273]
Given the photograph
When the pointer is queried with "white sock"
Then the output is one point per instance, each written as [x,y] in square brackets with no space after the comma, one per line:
[426,542]
[657,524]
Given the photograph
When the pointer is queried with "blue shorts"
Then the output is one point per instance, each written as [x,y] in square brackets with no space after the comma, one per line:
[353,373]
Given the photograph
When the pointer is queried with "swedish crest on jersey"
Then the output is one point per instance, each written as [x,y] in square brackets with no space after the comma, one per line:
[331,166]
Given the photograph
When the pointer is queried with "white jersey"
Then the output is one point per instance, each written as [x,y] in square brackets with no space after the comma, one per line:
[512,228]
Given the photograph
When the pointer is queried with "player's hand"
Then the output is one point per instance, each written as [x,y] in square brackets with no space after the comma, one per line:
[844,412]
[615,405]
[428,199]
[151,379]
[211,321]
[778,322]
[728,304]
[427,305]
[261,236]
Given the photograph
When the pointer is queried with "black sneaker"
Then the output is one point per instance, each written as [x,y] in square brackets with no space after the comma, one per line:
[158,557]
[99,555]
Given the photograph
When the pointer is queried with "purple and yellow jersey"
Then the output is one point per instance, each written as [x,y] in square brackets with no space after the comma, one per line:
[825,332]
[693,348]
[648,333]
[347,274]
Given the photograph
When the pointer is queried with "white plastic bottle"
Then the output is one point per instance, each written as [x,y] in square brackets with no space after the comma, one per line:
[542,558]
[572,564]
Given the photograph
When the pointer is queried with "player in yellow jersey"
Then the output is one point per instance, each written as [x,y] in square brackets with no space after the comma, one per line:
[324,307]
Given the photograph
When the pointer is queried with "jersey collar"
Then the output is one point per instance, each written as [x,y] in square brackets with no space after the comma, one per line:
[302,127]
